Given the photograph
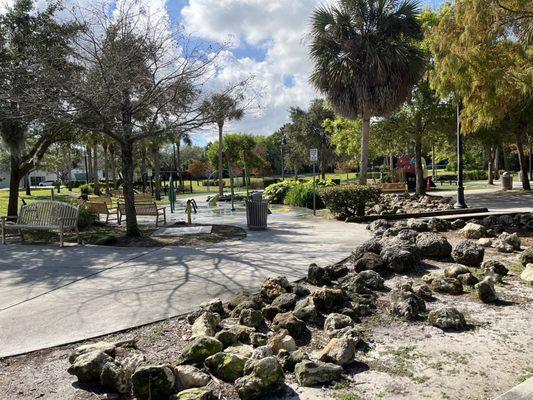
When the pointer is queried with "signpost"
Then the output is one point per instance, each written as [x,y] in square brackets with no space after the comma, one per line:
[313,156]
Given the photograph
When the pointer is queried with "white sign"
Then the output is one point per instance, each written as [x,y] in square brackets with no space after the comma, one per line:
[313,155]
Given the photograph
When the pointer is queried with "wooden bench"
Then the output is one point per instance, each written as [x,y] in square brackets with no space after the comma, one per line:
[101,208]
[143,209]
[44,216]
[393,187]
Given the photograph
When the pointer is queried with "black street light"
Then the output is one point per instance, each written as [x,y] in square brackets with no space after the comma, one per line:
[460,188]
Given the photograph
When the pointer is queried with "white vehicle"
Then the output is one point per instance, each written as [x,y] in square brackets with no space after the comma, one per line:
[47,183]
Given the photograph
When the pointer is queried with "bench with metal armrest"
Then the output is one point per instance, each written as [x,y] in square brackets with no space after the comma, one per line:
[145,208]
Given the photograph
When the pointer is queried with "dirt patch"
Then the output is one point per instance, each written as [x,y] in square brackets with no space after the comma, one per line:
[112,235]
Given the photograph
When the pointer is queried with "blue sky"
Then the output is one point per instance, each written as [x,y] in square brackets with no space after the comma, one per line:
[266,39]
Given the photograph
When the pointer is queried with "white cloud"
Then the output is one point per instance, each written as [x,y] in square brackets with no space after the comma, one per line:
[279,27]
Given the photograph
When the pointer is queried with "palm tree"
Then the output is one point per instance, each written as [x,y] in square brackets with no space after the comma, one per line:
[366,60]
[219,109]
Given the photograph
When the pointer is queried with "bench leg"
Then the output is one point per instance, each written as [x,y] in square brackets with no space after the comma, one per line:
[61,237]
[157,220]
[21,235]
[77,235]
[165,215]
[119,218]
[3,231]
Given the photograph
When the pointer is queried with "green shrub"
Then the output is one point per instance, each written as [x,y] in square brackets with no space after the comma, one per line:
[301,194]
[87,188]
[86,218]
[348,200]
[476,175]
[275,193]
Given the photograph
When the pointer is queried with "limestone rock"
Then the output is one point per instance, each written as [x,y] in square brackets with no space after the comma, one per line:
[318,275]
[494,269]
[242,332]
[368,260]
[199,349]
[424,292]
[433,245]
[152,382]
[262,352]
[468,253]
[226,366]
[446,285]
[258,339]
[527,256]
[289,360]
[296,327]
[243,296]
[485,291]
[337,321]
[338,351]
[285,302]
[274,287]
[447,318]
[252,318]
[300,291]
[527,274]
[328,299]
[511,239]
[282,340]
[398,259]
[468,279]
[236,312]
[269,312]
[473,231]
[106,347]
[194,394]
[312,373]
[226,337]
[190,377]
[88,366]
[243,350]
[305,309]
[205,324]
[455,270]
[117,375]
[485,242]
[405,303]
[263,377]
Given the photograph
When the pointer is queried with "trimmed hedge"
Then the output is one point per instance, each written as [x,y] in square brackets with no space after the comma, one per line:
[276,192]
[349,200]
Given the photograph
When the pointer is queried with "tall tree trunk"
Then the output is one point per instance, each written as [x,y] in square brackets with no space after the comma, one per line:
[106,168]
[15,177]
[96,181]
[530,158]
[433,163]
[522,159]
[491,165]
[157,170]
[365,135]
[27,183]
[113,166]
[420,181]
[132,228]
[220,164]
[322,170]
[391,163]
[505,159]
[143,168]
[90,165]
[178,160]
[496,167]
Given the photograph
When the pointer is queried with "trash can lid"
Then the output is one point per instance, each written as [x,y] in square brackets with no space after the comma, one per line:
[506,173]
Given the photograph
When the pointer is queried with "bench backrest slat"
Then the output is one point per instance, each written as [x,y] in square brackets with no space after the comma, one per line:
[48,213]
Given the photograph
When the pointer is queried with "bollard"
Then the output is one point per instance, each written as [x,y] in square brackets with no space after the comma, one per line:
[188,210]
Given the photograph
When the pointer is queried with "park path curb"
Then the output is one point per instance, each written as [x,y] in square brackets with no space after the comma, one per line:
[524,391]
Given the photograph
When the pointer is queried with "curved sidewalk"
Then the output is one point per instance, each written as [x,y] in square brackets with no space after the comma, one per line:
[51,296]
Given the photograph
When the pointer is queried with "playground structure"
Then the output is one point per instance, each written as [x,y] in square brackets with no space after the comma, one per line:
[405,172]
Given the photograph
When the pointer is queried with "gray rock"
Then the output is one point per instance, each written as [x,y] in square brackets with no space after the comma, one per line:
[433,245]
[405,303]
[300,291]
[87,367]
[502,247]
[305,309]
[473,231]
[243,332]
[226,337]
[289,360]
[494,269]
[468,253]
[337,321]
[527,256]
[241,349]
[398,259]
[226,366]
[252,318]
[458,224]
[202,393]
[282,340]
[368,261]
[199,349]
[214,306]
[336,271]
[295,326]
[340,351]
[318,276]
[442,284]
[485,242]
[377,225]
[190,377]
[511,239]
[106,347]
[312,373]
[371,245]
[269,312]
[468,279]
[455,270]
[263,377]
[153,382]
[447,318]
[362,283]
[424,292]
[417,225]
[258,339]
[285,302]
[116,376]
[438,225]
[205,324]
[244,296]
[262,352]
[247,304]
[485,291]
[328,299]
[527,274]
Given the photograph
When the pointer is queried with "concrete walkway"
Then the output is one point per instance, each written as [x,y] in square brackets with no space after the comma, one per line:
[51,296]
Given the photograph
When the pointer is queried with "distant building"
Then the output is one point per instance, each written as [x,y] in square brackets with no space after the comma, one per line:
[39,176]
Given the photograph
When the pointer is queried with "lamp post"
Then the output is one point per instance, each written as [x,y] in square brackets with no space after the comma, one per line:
[460,188]
[282,143]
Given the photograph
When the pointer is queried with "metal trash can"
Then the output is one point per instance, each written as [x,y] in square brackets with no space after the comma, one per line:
[256,212]
[507,181]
